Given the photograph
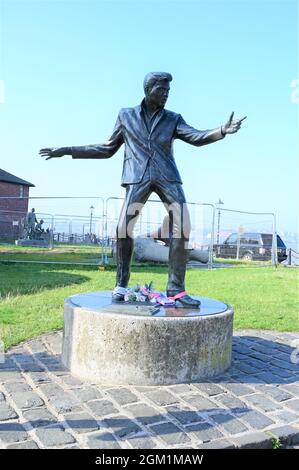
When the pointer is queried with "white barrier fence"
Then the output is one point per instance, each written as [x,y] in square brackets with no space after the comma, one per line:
[66,225]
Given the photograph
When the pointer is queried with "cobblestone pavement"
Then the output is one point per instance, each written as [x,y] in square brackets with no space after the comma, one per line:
[254,405]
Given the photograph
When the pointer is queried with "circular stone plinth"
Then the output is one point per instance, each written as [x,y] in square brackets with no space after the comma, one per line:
[129,344]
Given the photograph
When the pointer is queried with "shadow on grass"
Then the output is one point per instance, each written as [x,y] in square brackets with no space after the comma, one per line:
[21,280]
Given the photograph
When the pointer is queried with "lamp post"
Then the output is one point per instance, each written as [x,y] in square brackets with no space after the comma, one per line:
[90,223]
[219,215]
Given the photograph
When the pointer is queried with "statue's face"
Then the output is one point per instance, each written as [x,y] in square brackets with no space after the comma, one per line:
[159,93]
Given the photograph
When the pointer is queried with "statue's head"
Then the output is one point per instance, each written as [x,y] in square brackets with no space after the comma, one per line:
[41,221]
[156,87]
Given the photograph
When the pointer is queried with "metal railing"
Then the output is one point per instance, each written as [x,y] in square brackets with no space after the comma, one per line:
[98,228]
[292,254]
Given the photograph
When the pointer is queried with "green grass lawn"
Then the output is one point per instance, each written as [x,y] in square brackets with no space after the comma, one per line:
[62,253]
[32,295]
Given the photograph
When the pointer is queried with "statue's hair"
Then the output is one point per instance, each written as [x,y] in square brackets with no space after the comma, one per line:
[153,77]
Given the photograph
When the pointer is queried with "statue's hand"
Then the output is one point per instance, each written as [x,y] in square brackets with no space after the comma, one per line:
[232,126]
[53,152]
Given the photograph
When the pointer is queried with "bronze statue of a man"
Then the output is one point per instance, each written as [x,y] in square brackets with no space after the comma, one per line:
[148,132]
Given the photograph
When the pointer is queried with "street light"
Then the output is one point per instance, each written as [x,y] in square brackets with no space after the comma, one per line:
[219,214]
[90,224]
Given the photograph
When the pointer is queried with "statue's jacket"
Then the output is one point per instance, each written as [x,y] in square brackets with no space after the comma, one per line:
[142,144]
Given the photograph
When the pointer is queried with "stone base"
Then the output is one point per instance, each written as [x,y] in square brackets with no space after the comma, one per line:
[38,243]
[117,343]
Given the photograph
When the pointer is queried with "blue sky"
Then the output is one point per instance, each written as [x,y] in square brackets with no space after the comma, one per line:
[69,66]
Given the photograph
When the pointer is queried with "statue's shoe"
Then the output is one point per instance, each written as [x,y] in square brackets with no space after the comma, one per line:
[182,299]
[118,294]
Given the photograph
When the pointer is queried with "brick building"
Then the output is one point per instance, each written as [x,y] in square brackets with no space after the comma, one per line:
[12,211]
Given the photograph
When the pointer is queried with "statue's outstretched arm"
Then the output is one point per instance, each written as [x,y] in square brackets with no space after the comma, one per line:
[105,150]
[196,137]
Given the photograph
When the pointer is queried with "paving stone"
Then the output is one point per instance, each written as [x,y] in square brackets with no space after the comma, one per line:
[293,404]
[104,440]
[261,366]
[263,402]
[231,424]
[179,389]
[241,349]
[231,402]
[10,376]
[209,388]
[36,346]
[282,373]
[6,412]
[87,394]
[217,444]
[142,442]
[64,403]
[284,348]
[284,364]
[23,445]
[286,434]
[39,417]
[27,399]
[31,367]
[265,358]
[70,381]
[170,434]
[247,368]
[8,364]
[251,380]
[223,379]
[269,378]
[82,422]
[51,390]
[277,393]
[12,432]
[262,349]
[162,397]
[205,432]
[56,368]
[237,357]
[255,419]
[200,403]
[183,414]
[56,346]
[55,436]
[238,389]
[122,396]
[283,355]
[24,357]
[122,426]
[12,387]
[286,416]
[102,408]
[291,388]
[145,414]
[254,440]
[39,377]
[74,409]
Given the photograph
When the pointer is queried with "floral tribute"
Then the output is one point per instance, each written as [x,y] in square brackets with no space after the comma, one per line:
[147,294]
